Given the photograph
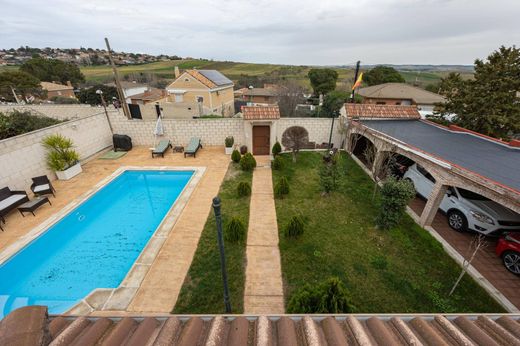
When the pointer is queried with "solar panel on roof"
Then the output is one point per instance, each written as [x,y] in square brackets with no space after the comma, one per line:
[215,76]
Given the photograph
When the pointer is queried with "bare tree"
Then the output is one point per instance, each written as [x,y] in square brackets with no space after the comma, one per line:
[477,243]
[295,138]
[289,94]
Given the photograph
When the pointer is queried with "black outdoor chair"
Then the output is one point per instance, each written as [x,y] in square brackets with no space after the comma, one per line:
[10,199]
[42,186]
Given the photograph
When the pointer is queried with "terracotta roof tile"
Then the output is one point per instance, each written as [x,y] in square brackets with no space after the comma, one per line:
[401,91]
[266,330]
[54,86]
[260,112]
[369,111]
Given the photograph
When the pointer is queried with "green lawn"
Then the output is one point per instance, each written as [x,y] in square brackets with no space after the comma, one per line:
[202,291]
[397,271]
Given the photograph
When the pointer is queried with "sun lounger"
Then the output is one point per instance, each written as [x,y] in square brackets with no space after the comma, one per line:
[42,186]
[9,200]
[192,147]
[161,148]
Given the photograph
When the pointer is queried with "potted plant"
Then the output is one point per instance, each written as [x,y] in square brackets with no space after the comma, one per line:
[61,158]
[229,144]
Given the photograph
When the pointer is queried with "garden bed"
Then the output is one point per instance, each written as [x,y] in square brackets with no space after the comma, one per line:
[202,291]
[397,271]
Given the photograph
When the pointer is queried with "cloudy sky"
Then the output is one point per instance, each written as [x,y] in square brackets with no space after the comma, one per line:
[311,32]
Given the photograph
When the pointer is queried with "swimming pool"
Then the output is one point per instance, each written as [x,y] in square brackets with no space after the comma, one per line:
[94,245]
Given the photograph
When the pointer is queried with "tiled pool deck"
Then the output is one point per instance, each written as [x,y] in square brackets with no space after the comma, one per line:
[161,285]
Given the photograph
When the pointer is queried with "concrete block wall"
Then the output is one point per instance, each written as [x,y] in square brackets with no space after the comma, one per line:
[23,157]
[60,112]
[179,131]
[318,129]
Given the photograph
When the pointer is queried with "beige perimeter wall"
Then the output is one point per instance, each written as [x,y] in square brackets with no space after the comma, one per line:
[60,112]
[23,157]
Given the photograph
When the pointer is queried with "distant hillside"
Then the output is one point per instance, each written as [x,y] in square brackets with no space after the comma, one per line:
[420,75]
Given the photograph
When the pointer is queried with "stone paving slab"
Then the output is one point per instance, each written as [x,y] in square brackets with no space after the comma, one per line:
[264,288]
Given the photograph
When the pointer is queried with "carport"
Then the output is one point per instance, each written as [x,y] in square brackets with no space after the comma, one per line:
[454,156]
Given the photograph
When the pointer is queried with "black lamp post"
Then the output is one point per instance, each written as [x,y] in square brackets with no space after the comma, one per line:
[218,218]
[100,93]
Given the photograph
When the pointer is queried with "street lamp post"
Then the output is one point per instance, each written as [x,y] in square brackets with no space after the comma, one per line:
[100,93]
[251,95]
[218,219]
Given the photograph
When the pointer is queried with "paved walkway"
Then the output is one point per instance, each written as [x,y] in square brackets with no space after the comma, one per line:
[486,261]
[264,289]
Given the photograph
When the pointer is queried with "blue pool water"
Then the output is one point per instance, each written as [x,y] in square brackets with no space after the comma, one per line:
[93,246]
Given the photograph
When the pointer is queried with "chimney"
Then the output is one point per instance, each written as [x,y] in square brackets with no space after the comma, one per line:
[69,83]
[176,72]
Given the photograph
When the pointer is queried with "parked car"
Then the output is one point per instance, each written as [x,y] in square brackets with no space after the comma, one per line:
[508,248]
[466,210]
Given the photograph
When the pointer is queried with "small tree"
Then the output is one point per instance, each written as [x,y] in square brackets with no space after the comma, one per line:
[383,74]
[295,138]
[277,149]
[395,195]
[277,163]
[235,156]
[478,242]
[243,189]
[295,227]
[329,173]
[235,230]
[330,296]
[247,162]
[281,188]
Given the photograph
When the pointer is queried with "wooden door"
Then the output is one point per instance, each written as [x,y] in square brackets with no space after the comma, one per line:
[261,140]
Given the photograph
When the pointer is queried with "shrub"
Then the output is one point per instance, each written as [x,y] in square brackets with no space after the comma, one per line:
[16,123]
[65,100]
[329,173]
[243,189]
[60,155]
[295,227]
[395,195]
[277,163]
[330,296]
[229,141]
[243,149]
[247,162]
[282,187]
[277,149]
[235,156]
[235,230]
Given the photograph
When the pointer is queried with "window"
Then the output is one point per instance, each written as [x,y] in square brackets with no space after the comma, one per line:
[398,103]
[426,174]
[179,98]
[380,103]
[186,79]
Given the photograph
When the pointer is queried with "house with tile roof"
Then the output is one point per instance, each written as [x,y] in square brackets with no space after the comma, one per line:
[58,90]
[401,94]
[379,112]
[209,91]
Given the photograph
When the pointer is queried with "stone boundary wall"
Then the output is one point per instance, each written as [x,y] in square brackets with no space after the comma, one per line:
[23,157]
[60,112]
[179,131]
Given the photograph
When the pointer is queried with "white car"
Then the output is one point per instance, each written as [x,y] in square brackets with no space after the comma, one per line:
[466,210]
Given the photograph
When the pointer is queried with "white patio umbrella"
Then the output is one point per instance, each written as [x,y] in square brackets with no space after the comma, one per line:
[159,129]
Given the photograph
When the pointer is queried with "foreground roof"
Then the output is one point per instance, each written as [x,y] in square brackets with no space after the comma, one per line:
[257,92]
[401,91]
[32,326]
[370,111]
[260,112]
[210,78]
[492,160]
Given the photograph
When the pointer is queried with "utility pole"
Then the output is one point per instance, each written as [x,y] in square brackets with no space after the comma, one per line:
[120,92]
[218,219]
[356,74]
[15,96]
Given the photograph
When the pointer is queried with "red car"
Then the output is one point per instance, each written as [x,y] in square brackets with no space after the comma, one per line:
[508,248]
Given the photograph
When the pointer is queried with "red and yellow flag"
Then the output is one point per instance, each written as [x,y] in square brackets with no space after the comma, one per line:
[358,81]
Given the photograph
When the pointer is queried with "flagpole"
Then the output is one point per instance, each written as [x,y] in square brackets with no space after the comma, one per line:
[355,80]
